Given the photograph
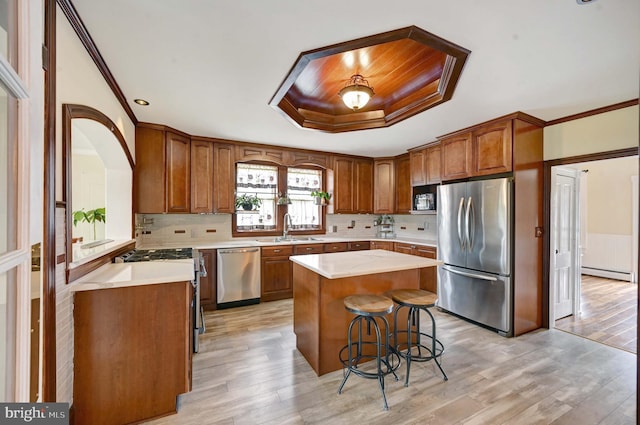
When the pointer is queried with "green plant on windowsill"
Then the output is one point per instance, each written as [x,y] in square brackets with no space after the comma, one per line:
[91,217]
[322,198]
[248,202]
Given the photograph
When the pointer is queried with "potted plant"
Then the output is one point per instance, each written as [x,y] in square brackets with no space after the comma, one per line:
[322,198]
[91,216]
[247,202]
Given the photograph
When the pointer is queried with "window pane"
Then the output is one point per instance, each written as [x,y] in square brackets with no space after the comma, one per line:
[8,171]
[7,313]
[260,181]
[7,30]
[305,214]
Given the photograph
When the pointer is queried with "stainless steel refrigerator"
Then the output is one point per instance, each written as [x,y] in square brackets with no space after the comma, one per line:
[475,221]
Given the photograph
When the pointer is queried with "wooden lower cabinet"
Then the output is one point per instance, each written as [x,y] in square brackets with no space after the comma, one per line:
[428,276]
[359,245]
[132,352]
[381,245]
[208,284]
[276,273]
[336,247]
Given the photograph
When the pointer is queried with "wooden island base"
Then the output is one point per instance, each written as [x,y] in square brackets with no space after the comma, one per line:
[320,320]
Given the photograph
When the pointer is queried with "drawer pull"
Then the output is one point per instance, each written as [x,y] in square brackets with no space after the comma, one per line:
[309,249]
[276,250]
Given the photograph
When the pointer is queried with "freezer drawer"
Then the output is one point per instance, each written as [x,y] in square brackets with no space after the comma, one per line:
[481,297]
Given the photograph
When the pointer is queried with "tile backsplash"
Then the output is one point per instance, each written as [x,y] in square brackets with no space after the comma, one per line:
[158,229]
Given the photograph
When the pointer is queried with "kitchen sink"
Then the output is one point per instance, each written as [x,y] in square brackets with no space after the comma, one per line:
[289,239]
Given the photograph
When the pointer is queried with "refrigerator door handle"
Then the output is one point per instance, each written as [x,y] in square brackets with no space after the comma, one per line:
[470,219]
[461,240]
[471,275]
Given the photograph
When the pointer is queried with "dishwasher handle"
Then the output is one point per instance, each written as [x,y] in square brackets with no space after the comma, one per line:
[238,251]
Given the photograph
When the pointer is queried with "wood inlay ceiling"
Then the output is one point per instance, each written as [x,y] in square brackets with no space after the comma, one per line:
[409,69]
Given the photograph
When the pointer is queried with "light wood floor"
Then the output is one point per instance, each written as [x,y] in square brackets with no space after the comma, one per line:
[248,371]
[609,313]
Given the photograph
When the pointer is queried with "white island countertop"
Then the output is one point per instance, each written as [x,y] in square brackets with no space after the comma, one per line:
[337,265]
[120,275]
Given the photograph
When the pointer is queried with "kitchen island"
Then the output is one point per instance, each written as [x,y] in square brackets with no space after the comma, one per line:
[322,281]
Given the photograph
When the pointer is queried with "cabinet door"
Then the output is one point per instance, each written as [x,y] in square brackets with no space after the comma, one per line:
[344,199]
[456,157]
[208,283]
[403,184]
[316,248]
[492,149]
[223,179]
[336,247]
[201,176]
[359,246]
[384,186]
[432,164]
[178,173]
[382,245]
[428,276]
[276,278]
[403,248]
[364,186]
[418,171]
[149,176]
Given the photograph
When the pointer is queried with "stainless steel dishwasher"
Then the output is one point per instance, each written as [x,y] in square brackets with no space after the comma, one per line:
[238,277]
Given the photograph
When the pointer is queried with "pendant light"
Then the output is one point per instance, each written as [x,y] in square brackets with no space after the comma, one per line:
[356,93]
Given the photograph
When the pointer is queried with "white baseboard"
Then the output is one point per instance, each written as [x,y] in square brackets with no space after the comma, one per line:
[607,273]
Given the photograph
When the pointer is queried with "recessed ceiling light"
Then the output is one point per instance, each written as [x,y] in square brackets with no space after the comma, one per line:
[141,102]
[585,1]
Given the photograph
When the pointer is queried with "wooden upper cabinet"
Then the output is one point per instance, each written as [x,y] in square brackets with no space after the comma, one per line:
[201,176]
[403,184]
[492,148]
[149,173]
[178,172]
[384,186]
[418,168]
[255,153]
[352,185]
[432,164]
[308,158]
[344,179]
[224,174]
[456,157]
[364,185]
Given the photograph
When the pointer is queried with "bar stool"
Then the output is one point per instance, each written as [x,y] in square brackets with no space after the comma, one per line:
[416,300]
[369,309]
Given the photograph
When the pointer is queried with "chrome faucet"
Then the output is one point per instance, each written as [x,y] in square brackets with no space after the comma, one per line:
[288,224]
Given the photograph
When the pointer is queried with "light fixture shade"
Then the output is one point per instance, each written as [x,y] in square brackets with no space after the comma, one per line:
[356,93]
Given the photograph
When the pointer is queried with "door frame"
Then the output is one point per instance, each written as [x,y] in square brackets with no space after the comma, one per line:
[575,302]
[620,153]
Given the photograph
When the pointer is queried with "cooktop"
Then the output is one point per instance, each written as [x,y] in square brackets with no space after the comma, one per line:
[157,254]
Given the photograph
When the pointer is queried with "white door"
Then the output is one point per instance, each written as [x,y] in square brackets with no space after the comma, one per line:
[565,268]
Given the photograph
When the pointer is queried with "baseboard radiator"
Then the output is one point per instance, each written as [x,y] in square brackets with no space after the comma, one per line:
[610,274]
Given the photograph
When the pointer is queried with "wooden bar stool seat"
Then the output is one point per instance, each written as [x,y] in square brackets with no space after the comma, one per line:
[370,310]
[419,346]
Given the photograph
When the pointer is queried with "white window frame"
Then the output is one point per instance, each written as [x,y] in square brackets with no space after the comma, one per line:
[14,82]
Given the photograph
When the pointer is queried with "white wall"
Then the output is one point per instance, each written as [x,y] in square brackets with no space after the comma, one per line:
[78,82]
[88,193]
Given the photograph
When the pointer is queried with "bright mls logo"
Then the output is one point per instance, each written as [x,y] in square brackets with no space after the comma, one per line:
[34,413]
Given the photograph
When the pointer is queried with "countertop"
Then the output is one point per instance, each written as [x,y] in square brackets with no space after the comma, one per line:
[271,241]
[120,275]
[83,256]
[357,263]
